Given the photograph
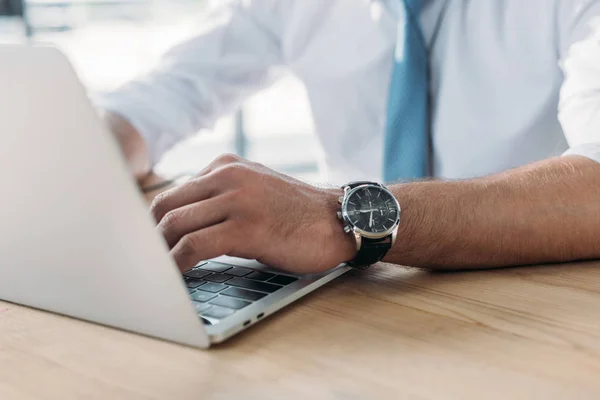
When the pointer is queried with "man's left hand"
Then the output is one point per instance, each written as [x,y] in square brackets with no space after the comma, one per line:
[243,209]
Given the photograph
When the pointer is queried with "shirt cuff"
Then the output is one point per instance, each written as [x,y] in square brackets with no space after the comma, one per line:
[589,150]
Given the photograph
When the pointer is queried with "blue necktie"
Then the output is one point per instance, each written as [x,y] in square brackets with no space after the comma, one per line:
[406,154]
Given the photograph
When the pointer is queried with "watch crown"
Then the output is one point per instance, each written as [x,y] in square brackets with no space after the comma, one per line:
[339,215]
[347,229]
[341,199]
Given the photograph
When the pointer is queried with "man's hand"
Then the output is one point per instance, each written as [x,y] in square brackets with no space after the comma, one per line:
[243,209]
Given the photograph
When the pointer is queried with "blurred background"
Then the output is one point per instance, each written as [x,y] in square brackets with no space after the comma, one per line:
[111,41]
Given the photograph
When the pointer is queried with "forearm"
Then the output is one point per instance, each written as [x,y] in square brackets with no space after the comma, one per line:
[544,212]
[131,142]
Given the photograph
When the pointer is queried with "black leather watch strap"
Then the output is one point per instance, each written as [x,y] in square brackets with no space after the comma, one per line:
[371,251]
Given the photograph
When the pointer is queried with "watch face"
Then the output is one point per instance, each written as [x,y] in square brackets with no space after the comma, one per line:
[372,209]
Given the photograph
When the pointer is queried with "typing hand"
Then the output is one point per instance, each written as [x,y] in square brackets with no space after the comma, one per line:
[243,209]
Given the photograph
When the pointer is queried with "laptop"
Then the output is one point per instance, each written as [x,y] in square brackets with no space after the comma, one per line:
[77,238]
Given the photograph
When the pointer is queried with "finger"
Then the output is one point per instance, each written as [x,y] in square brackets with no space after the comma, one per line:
[194,191]
[192,217]
[221,176]
[201,245]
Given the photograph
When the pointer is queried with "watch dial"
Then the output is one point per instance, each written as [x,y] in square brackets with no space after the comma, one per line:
[372,209]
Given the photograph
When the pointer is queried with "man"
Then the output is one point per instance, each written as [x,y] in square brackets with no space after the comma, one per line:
[400,90]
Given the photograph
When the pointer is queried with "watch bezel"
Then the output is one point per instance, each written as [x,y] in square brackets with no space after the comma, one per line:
[355,229]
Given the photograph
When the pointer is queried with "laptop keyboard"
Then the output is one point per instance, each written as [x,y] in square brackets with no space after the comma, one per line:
[218,290]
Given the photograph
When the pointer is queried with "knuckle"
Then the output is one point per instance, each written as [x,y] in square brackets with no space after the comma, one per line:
[233,171]
[227,158]
[258,165]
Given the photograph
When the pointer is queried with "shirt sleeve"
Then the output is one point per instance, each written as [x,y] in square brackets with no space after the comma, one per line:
[578,24]
[206,77]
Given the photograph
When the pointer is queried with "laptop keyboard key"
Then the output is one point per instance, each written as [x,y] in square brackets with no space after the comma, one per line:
[193,283]
[260,276]
[216,267]
[243,294]
[196,274]
[238,271]
[254,285]
[214,287]
[230,302]
[219,278]
[202,296]
[218,312]
[201,306]
[282,280]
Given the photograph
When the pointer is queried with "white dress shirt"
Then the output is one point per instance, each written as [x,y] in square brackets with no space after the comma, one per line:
[512,81]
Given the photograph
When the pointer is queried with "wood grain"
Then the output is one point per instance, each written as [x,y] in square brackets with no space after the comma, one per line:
[390,332]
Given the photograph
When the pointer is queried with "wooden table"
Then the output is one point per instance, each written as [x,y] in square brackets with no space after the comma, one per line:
[390,332]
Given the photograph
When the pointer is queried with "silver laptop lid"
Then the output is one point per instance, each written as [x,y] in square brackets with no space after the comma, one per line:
[75,235]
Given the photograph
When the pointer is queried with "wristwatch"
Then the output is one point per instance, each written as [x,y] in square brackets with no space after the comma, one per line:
[370,213]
